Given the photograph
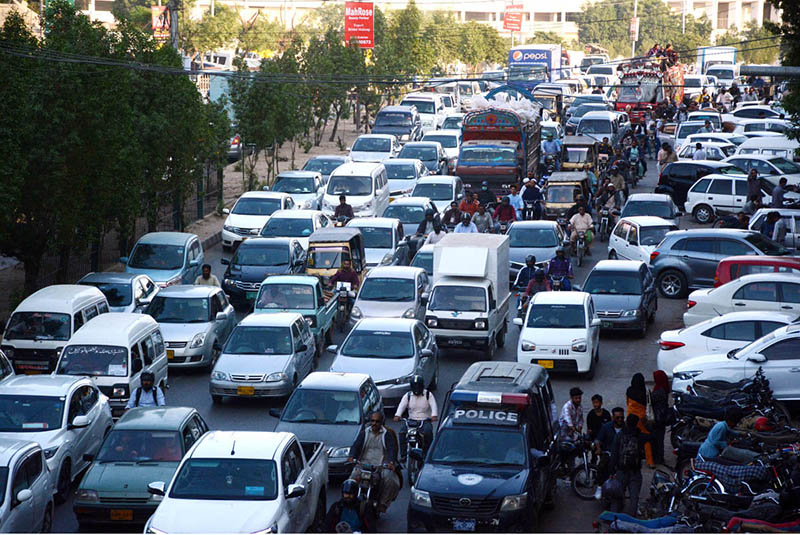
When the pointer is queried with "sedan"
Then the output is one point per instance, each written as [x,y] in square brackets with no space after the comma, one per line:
[125,292]
[410,211]
[450,141]
[717,335]
[430,153]
[765,292]
[195,321]
[537,238]
[652,204]
[391,292]
[391,351]
[770,167]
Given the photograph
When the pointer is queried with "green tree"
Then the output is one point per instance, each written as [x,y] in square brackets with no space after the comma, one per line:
[540,37]
[209,32]
[789,29]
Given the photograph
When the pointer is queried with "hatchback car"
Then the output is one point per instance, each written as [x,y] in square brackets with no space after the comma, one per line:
[733,267]
[715,151]
[374,148]
[195,322]
[634,238]
[719,194]
[391,292]
[652,204]
[441,190]
[450,140]
[677,177]
[624,294]
[391,351]
[27,488]
[688,258]
[168,258]
[305,187]
[410,211]
[267,355]
[402,174]
[537,238]
[298,224]
[126,292]
[325,164]
[717,335]
[383,240]
[429,153]
[250,213]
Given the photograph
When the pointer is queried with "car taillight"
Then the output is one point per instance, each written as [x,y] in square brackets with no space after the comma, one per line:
[667,346]
[690,303]
[236,140]
[653,256]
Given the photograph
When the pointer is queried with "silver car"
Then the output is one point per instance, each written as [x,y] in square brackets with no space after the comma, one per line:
[267,355]
[391,292]
[26,486]
[537,238]
[126,292]
[195,321]
[305,187]
[391,351]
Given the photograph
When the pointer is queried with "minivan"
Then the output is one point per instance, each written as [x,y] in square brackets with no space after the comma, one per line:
[430,107]
[114,350]
[43,323]
[363,183]
[599,124]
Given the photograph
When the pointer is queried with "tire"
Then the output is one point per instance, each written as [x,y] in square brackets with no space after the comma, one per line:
[703,214]
[652,317]
[216,400]
[590,374]
[580,258]
[672,284]
[782,412]
[612,255]
[701,487]
[490,352]
[47,520]
[413,471]
[434,384]
[64,481]
[584,485]
[319,515]
[216,351]
[642,332]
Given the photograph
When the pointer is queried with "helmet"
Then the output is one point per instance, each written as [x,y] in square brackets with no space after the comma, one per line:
[417,385]
[610,186]
[506,200]
[539,275]
[350,486]
[764,424]
[484,183]
[429,212]
[560,249]
[465,217]
[148,376]
[530,259]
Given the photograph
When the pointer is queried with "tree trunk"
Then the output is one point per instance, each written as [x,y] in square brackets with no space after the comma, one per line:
[357,114]
[294,149]
[63,264]
[336,123]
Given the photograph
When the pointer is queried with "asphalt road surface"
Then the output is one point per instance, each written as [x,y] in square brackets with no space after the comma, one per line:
[621,355]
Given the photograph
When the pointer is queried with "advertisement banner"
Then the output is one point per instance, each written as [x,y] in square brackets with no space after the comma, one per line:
[634,29]
[512,18]
[358,23]
[160,22]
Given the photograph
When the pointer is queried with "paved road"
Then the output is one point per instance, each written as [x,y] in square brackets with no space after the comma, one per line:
[621,355]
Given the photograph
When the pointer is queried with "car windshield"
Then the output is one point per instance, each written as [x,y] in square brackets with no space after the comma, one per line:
[423,106]
[322,407]
[594,126]
[133,445]
[466,89]
[560,194]
[350,185]
[256,206]
[282,296]
[387,289]
[393,119]
[376,237]
[425,154]
[447,142]
[639,93]
[378,344]
[685,130]
[654,235]
[653,208]
[531,237]
[288,228]
[372,144]
[117,295]
[401,171]
[581,110]
[575,155]
[424,261]
[766,245]
[226,479]
[179,309]
[435,192]
[557,317]
[38,326]
[691,82]
[295,185]
[737,140]
[484,447]
[532,73]
[94,361]
[785,166]
[487,156]
[259,341]
[322,166]
[327,257]
[550,131]
[715,120]
[458,299]
[720,74]
[452,123]
[614,283]
[261,255]
[156,256]
[405,213]
[29,414]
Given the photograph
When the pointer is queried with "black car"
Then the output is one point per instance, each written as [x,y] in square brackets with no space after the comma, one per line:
[677,177]
[255,260]
[402,122]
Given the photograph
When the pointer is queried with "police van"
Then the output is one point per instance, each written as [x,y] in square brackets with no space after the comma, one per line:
[491,465]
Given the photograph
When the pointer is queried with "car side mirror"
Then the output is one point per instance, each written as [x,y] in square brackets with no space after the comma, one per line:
[424,298]
[577,287]
[23,496]
[226,211]
[221,316]
[275,412]
[426,353]
[416,454]
[88,457]
[595,322]
[757,357]
[301,348]
[194,263]
[144,301]
[123,259]
[332,349]
[295,491]
[224,261]
[79,422]
[156,488]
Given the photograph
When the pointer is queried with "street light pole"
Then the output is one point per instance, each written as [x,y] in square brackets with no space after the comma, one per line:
[633,41]
[683,16]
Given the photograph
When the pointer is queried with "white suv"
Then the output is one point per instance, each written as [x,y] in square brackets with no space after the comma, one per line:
[561,332]
[716,194]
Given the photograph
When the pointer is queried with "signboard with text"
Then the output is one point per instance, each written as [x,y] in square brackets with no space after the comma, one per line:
[160,22]
[512,18]
[358,23]
[634,29]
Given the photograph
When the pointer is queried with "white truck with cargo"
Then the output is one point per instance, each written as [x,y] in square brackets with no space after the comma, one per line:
[468,305]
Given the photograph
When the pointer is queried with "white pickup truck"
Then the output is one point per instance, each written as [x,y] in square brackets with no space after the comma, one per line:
[244,482]
[468,303]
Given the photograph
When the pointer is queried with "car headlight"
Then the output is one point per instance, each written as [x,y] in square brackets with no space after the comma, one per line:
[405,137]
[220,376]
[355,312]
[275,377]
[480,324]
[311,320]
[50,452]
[228,282]
[528,346]
[410,313]
[9,351]
[432,322]
[630,313]
[87,495]
[514,503]
[227,228]
[579,346]
[421,498]
[687,376]
[272,529]
[173,281]
[119,392]
[198,341]
[339,452]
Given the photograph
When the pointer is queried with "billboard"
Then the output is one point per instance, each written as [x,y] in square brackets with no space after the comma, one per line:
[512,18]
[160,22]
[358,23]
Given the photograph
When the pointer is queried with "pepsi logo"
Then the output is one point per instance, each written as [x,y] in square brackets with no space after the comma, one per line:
[517,55]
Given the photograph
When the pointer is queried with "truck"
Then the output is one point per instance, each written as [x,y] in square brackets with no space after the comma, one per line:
[468,304]
[529,65]
[643,85]
[709,56]
[498,146]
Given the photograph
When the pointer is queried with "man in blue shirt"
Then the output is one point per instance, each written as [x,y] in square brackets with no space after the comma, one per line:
[560,266]
[553,148]
[147,395]
[516,201]
[717,442]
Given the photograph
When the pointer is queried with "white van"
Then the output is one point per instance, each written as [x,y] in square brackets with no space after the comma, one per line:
[430,107]
[771,146]
[114,349]
[363,183]
[43,323]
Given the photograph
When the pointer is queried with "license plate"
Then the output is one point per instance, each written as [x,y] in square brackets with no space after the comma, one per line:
[605,324]
[455,341]
[546,364]
[464,525]
[170,354]
[251,296]
[121,514]
[245,390]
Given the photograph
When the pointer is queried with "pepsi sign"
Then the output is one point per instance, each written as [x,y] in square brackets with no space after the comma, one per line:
[531,56]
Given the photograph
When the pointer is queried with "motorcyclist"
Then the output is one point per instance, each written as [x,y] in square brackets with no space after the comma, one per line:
[516,201]
[533,194]
[466,226]
[485,196]
[452,215]
[537,284]
[581,222]
[343,209]
[377,445]
[345,274]
[483,220]
[634,155]
[146,395]
[617,177]
[421,407]
[560,266]
[605,148]
[525,274]
[504,213]
[552,148]
[350,514]
[426,225]
[579,201]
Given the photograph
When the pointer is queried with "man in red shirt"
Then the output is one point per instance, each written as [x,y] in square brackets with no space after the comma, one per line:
[469,205]
[346,274]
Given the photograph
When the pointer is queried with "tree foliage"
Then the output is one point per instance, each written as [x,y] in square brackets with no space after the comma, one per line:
[789,29]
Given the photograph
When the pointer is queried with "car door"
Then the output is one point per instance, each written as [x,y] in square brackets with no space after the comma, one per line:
[699,255]
[739,195]
[759,295]
[790,297]
[21,514]
[311,348]
[632,250]
[618,242]
[81,439]
[727,247]
[421,287]
[648,290]
[720,195]
[159,355]
[226,327]
[593,330]
[732,335]
[680,178]
[291,468]
[782,367]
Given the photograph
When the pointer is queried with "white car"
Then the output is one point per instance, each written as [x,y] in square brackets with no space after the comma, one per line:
[761,111]
[66,414]
[410,211]
[391,292]
[777,354]
[250,213]
[374,148]
[305,187]
[773,168]
[6,369]
[634,238]
[764,292]
[720,137]
[717,335]
[694,84]
[715,150]
[716,194]
[298,224]
[26,486]
[440,189]
[683,131]
[763,127]
[381,236]
[403,174]
[450,140]
[561,332]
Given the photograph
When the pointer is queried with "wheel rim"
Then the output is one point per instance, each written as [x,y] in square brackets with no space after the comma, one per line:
[703,215]
[671,284]
[585,484]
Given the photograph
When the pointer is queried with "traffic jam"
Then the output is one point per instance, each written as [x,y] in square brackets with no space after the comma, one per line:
[406,336]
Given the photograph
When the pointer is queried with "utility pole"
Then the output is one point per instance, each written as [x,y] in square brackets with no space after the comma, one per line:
[172,6]
[634,35]
[683,16]
[212,8]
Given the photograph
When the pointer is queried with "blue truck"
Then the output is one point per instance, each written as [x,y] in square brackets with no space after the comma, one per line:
[530,65]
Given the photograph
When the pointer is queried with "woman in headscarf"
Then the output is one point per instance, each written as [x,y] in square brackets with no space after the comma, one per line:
[637,404]
[659,400]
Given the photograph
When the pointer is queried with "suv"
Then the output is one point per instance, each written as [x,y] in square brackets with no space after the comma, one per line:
[688,258]
[677,177]
[402,122]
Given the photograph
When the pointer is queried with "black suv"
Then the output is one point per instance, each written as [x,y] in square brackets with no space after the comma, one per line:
[400,121]
[677,177]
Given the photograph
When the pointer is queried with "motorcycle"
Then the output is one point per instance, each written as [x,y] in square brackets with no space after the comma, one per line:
[369,481]
[580,247]
[341,221]
[605,224]
[415,438]
[557,283]
[343,296]
[532,211]
[504,226]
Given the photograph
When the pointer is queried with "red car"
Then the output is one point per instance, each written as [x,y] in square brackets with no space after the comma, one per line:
[733,267]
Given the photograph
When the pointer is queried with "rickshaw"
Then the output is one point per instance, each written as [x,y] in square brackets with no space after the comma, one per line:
[579,153]
[328,247]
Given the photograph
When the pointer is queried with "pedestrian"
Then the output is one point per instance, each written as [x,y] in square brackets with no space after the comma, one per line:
[659,401]
[603,442]
[637,405]
[699,152]
[148,394]
[596,417]
[769,224]
[778,193]
[666,156]
[626,463]
[753,185]
[206,278]
[571,419]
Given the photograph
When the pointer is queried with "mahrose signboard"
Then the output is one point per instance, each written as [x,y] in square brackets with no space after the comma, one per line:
[358,23]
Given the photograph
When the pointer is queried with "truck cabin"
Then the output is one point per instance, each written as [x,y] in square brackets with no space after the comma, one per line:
[455,296]
[278,290]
